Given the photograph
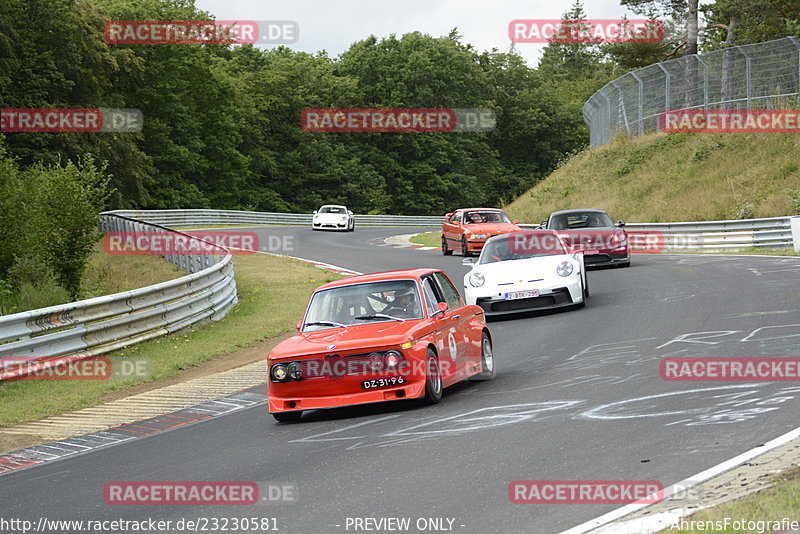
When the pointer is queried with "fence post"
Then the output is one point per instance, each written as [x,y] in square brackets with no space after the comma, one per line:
[667,87]
[748,73]
[795,223]
[641,101]
[621,106]
[797,44]
[705,81]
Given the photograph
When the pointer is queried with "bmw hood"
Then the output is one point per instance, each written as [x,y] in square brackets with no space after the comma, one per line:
[356,337]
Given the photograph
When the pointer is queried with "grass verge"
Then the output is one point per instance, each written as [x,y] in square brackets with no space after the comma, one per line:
[674,177]
[428,239]
[273,293]
[780,501]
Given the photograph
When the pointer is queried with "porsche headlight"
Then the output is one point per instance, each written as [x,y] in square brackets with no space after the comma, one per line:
[565,268]
[476,279]
[343,218]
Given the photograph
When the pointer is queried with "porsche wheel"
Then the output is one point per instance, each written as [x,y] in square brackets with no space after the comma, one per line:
[487,360]
[433,379]
[464,249]
[446,251]
[353,226]
[586,288]
[287,417]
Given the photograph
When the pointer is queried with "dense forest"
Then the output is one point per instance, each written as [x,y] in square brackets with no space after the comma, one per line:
[222,129]
[221,122]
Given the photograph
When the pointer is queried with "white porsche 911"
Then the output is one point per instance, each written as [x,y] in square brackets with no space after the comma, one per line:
[525,271]
[333,217]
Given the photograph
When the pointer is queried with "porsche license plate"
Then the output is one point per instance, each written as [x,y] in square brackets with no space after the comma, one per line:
[530,293]
[382,382]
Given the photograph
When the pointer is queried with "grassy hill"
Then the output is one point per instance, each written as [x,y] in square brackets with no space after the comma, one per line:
[675,177]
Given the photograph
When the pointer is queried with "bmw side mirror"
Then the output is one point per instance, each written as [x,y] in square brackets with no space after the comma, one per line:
[621,223]
[299,324]
[515,221]
[443,307]
[543,224]
[468,261]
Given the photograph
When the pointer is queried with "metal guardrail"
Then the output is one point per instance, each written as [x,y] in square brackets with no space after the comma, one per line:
[773,232]
[204,217]
[754,76]
[87,328]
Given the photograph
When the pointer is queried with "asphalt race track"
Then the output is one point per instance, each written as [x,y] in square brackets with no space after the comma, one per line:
[577,397]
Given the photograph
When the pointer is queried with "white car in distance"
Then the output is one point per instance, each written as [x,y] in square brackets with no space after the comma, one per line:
[525,271]
[333,217]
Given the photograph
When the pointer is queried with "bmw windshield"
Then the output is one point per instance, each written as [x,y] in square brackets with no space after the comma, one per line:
[362,303]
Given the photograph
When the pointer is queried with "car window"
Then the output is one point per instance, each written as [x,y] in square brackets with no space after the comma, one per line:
[353,304]
[331,209]
[451,295]
[575,221]
[430,296]
[482,217]
[522,246]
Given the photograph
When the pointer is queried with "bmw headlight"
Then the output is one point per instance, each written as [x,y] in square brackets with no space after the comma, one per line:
[295,371]
[279,372]
[565,268]
[476,279]
[480,236]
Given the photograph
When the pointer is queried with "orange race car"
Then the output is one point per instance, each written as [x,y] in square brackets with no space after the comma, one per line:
[379,337]
[468,229]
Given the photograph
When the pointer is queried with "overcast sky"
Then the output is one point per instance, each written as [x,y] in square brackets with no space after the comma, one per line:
[333,25]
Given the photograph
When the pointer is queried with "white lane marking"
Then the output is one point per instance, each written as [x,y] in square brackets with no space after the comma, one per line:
[686,483]
[594,413]
[319,437]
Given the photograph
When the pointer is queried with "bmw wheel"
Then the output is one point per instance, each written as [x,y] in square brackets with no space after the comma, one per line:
[433,379]
[446,251]
[464,248]
[487,360]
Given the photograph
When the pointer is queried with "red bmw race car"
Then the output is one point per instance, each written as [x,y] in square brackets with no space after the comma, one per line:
[379,337]
[468,229]
[593,233]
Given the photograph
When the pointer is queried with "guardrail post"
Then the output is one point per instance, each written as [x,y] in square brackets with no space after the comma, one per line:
[795,222]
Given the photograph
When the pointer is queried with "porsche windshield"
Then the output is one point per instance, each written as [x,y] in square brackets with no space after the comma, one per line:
[481,217]
[521,246]
[575,221]
[363,303]
[331,209]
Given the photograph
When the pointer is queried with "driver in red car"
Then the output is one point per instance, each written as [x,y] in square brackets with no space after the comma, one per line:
[404,304]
